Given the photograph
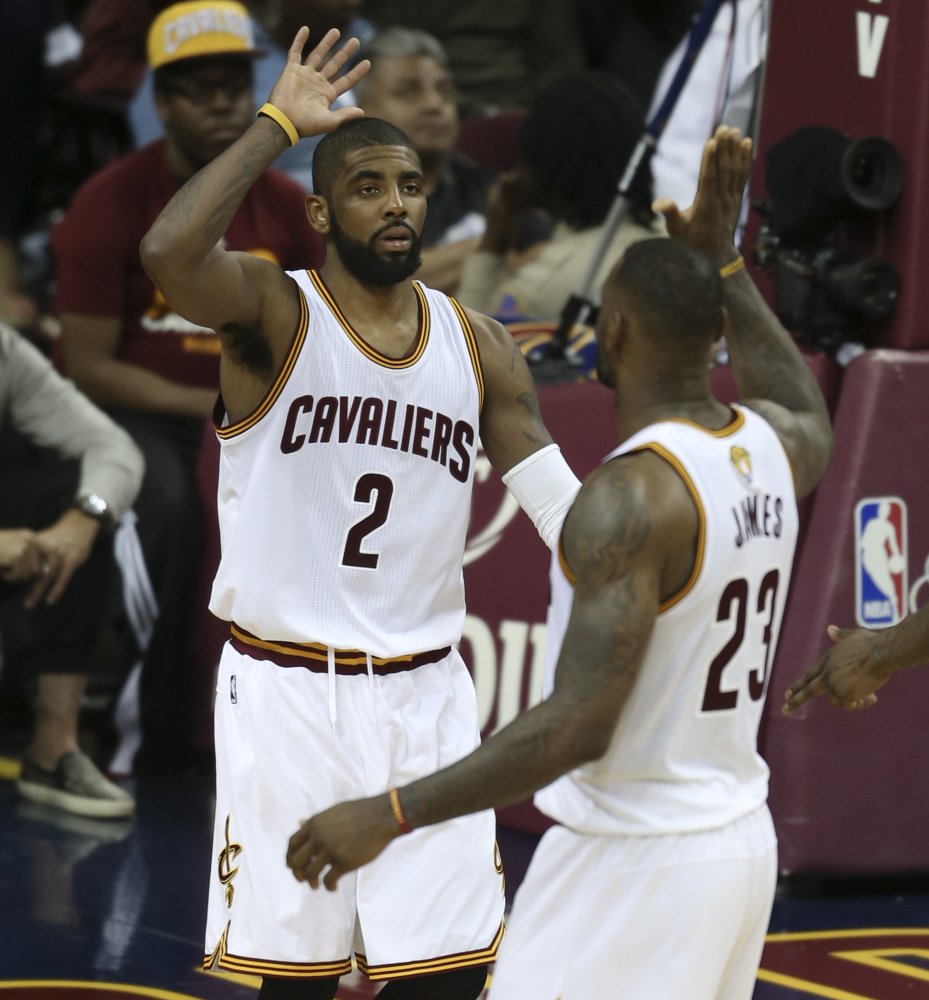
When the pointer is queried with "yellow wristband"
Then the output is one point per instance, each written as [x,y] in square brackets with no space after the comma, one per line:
[276,115]
[732,267]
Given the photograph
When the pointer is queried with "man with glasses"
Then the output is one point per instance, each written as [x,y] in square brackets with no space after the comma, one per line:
[154,372]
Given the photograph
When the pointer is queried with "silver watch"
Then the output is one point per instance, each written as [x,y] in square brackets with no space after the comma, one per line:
[93,506]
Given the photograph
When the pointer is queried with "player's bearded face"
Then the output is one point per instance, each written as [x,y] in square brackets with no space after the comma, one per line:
[372,266]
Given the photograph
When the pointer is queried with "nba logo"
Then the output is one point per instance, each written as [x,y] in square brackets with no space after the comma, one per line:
[880,561]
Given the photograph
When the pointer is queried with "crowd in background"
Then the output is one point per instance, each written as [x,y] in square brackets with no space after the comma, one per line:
[524,115]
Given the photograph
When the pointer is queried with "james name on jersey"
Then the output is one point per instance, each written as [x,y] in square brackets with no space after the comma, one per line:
[758,516]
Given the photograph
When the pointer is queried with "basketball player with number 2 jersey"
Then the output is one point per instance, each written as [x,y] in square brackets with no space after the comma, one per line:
[354,401]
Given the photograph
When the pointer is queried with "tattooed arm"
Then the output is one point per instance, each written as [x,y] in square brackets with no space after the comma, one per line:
[769,370]
[513,435]
[511,422]
[630,540]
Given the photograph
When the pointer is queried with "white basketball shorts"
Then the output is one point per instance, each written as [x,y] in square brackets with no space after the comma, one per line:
[432,902]
[641,918]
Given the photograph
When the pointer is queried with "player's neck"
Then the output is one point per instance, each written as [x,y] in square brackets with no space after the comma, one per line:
[641,402]
[386,316]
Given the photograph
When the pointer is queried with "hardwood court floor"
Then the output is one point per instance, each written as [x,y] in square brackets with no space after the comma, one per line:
[95,910]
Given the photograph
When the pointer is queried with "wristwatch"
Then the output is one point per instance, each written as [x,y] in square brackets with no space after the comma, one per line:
[94,506]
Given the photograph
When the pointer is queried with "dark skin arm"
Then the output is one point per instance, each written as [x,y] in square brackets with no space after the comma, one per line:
[511,421]
[861,662]
[624,540]
[772,377]
[244,298]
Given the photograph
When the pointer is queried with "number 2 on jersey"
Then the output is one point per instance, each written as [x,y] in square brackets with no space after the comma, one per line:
[371,488]
[735,603]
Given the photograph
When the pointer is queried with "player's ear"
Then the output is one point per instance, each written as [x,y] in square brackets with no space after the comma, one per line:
[317,213]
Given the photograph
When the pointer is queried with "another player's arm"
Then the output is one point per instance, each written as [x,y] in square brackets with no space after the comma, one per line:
[861,662]
[514,435]
[629,524]
[769,370]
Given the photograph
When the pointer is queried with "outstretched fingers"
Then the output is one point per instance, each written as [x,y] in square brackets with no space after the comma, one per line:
[349,79]
[320,52]
[295,52]
[809,686]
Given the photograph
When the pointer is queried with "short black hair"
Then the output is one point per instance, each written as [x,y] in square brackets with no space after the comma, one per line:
[576,141]
[359,133]
[676,290]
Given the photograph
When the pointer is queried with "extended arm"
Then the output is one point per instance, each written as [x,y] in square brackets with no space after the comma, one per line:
[515,438]
[769,370]
[861,661]
[615,540]
[238,294]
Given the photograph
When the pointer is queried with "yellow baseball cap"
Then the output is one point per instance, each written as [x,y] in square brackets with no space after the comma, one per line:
[200,28]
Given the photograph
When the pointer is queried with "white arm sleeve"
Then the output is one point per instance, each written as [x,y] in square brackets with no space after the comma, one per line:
[545,488]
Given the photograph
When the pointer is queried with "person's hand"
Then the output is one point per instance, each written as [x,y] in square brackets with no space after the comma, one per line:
[341,839]
[20,556]
[506,198]
[709,224]
[848,673]
[306,89]
[64,546]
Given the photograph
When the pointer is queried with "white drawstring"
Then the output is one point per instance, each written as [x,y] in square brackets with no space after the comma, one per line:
[371,688]
[333,714]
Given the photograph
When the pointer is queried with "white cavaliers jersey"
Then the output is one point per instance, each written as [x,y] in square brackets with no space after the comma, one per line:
[344,496]
[684,754]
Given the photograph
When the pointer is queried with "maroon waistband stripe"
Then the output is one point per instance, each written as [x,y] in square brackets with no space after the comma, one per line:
[315,658]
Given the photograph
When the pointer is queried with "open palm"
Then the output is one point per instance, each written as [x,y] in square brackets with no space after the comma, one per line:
[307,88]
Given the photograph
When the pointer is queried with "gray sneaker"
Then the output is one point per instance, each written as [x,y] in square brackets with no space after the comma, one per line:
[75,786]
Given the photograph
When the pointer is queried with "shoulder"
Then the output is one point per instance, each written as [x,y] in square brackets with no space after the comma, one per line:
[494,342]
[631,509]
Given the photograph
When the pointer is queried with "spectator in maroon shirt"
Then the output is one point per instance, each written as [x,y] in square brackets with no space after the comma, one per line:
[153,371]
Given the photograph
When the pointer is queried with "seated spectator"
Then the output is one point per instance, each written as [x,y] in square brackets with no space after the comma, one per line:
[500,54]
[409,85]
[274,25]
[57,508]
[574,146]
[155,373]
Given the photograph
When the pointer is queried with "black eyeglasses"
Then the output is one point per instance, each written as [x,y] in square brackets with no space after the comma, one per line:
[202,91]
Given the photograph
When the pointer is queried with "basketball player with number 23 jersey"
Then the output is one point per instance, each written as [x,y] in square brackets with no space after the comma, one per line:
[668,589]
[354,401]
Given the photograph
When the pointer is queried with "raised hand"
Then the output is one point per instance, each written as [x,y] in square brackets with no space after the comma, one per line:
[709,224]
[306,89]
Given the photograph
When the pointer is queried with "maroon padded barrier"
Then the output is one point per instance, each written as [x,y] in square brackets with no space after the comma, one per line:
[850,791]
[858,67]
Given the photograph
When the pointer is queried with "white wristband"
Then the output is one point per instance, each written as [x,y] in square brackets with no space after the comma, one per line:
[545,487]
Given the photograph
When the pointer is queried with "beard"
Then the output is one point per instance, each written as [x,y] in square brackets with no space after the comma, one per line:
[364,262]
